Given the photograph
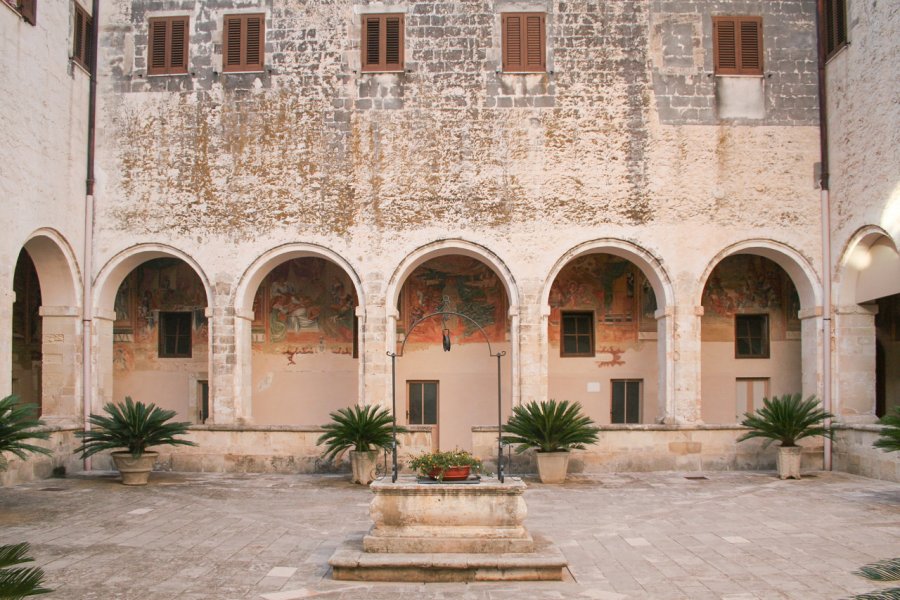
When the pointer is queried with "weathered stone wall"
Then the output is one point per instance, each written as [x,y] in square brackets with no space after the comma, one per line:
[854,453]
[62,443]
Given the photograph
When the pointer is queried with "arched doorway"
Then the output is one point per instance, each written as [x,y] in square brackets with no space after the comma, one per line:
[305,343]
[602,338]
[457,389]
[751,337]
[27,356]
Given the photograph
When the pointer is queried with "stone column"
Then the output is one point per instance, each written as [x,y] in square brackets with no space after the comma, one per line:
[678,344]
[853,390]
[61,362]
[231,350]
[811,343]
[382,334]
[515,358]
[534,357]
[7,298]
[102,365]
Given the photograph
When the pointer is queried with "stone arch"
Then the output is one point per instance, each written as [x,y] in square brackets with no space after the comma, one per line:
[649,264]
[447,247]
[57,268]
[749,380]
[110,277]
[794,264]
[659,280]
[106,286]
[250,281]
[870,259]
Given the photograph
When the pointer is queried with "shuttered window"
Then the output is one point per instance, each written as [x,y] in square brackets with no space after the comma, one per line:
[738,45]
[167,45]
[175,334]
[524,42]
[244,43]
[382,42]
[577,334]
[835,25]
[751,336]
[82,45]
[28,10]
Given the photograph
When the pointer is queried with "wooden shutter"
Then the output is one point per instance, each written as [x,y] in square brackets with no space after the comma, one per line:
[737,45]
[167,47]
[382,42]
[835,25]
[524,42]
[28,10]
[244,41]
[82,45]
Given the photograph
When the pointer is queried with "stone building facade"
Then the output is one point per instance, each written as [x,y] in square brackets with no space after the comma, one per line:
[261,236]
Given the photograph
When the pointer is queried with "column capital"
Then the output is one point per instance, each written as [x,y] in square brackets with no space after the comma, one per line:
[810,313]
[244,313]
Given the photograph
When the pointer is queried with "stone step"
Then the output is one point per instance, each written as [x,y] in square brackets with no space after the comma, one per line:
[351,563]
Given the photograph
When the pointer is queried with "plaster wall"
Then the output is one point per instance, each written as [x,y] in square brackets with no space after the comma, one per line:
[854,453]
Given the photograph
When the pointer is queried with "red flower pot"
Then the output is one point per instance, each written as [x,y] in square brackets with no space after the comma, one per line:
[451,473]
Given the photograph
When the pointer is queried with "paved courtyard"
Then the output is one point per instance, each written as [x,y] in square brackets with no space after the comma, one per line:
[734,536]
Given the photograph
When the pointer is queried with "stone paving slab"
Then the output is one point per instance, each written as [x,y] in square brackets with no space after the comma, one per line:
[627,536]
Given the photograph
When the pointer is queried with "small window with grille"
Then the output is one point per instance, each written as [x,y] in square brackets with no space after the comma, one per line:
[175,334]
[577,334]
[751,336]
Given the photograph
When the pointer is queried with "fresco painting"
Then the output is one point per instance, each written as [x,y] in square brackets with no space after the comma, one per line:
[749,284]
[454,284]
[304,306]
[162,284]
[615,289]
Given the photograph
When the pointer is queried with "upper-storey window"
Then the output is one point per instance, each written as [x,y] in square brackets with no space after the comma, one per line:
[751,336]
[81,44]
[738,45]
[244,43]
[168,46]
[524,42]
[835,25]
[382,42]
[26,8]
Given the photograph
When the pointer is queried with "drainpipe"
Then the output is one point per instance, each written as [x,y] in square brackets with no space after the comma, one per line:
[86,275]
[826,225]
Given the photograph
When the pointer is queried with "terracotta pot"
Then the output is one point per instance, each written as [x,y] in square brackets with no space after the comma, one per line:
[788,461]
[363,466]
[135,471]
[552,466]
[452,473]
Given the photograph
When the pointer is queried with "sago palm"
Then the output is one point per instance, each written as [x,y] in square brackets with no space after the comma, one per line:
[360,428]
[17,424]
[133,426]
[889,441]
[787,419]
[19,582]
[549,427]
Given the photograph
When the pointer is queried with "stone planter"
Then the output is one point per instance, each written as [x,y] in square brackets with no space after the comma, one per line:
[135,471]
[788,462]
[363,466]
[552,466]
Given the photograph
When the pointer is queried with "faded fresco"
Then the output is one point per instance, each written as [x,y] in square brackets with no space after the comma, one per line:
[305,306]
[617,292]
[162,284]
[457,284]
[748,284]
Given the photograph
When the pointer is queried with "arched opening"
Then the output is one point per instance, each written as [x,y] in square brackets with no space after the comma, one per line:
[27,356]
[160,336]
[868,327]
[751,337]
[602,335]
[457,389]
[305,342]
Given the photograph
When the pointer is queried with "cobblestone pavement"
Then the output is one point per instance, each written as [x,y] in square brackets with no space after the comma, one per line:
[732,536]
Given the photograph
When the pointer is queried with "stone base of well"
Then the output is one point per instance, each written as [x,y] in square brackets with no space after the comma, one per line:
[448,532]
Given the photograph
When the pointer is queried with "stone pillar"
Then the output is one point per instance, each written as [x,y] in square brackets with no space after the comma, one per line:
[534,341]
[102,366]
[383,339]
[515,356]
[853,391]
[7,298]
[231,379]
[811,343]
[360,313]
[678,346]
[61,362]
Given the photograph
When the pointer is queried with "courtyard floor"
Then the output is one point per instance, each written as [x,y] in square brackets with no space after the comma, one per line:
[190,536]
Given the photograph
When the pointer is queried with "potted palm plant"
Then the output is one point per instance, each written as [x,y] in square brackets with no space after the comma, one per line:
[17,425]
[362,430]
[786,420]
[447,465]
[889,439]
[553,429]
[133,426]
